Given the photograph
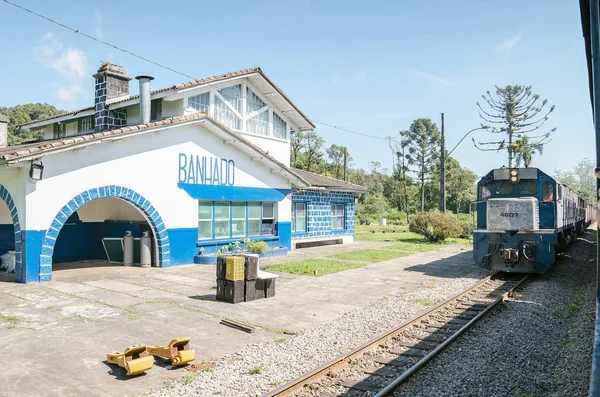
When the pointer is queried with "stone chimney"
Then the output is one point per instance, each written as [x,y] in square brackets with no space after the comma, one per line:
[3,131]
[112,82]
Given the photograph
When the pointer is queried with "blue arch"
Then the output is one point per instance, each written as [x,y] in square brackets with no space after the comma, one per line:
[139,201]
[7,198]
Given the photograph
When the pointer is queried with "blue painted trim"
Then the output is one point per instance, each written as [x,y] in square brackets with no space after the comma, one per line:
[204,243]
[21,274]
[48,241]
[233,193]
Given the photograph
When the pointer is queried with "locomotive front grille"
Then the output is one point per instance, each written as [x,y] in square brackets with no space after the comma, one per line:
[513,214]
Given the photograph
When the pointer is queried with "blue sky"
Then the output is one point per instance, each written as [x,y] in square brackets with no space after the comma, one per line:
[371,66]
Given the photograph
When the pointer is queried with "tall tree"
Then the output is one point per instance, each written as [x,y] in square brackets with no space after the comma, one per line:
[581,179]
[313,151]
[516,112]
[296,147]
[421,141]
[22,114]
[339,159]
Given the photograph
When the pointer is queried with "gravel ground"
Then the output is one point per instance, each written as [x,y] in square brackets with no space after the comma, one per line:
[539,344]
[262,367]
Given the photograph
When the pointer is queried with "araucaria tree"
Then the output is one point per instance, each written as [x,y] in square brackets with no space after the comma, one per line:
[515,110]
[421,143]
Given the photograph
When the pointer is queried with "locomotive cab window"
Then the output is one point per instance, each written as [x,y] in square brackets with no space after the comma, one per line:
[504,187]
[484,192]
[547,192]
[528,187]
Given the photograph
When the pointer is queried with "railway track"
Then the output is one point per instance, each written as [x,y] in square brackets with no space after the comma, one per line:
[378,367]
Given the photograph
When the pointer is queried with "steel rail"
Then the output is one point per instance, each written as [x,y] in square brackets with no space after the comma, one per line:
[342,361]
[389,389]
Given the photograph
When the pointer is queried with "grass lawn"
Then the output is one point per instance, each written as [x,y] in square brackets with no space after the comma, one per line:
[412,247]
[370,255]
[398,234]
[307,267]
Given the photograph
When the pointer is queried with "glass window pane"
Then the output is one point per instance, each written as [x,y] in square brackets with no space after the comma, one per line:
[547,192]
[301,209]
[204,229]
[205,210]
[268,211]
[254,227]
[300,224]
[267,227]
[222,210]
[238,228]
[504,187]
[253,210]
[222,229]
[528,187]
[238,210]
[279,127]
[199,102]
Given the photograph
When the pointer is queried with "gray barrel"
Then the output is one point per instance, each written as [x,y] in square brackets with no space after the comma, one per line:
[128,249]
[146,250]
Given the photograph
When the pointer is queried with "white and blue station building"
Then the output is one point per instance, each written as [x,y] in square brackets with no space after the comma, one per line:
[199,165]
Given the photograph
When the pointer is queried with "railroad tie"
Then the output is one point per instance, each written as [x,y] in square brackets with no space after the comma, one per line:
[381,371]
[400,361]
[359,385]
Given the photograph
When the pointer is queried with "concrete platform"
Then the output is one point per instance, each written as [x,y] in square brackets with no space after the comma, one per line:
[55,335]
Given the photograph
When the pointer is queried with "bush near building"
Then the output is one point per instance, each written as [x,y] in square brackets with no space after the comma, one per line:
[436,226]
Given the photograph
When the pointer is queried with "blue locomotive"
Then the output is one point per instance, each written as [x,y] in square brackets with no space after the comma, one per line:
[523,217]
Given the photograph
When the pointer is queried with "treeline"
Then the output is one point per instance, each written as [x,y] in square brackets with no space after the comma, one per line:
[411,185]
[22,114]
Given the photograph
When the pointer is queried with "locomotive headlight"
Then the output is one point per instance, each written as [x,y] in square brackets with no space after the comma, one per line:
[514,176]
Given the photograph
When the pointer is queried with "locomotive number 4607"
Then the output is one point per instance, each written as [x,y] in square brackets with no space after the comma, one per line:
[509,214]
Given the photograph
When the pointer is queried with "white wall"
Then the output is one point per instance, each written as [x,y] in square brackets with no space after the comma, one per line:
[5,216]
[14,181]
[276,148]
[172,108]
[147,163]
[109,208]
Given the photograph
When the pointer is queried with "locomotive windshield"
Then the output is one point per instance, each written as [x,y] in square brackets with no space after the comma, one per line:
[504,187]
[484,192]
[547,192]
[528,186]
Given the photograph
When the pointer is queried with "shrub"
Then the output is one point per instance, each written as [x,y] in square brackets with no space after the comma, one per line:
[467,228]
[435,226]
[256,246]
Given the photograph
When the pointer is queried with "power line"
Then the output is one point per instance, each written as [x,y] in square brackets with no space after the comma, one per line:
[77,31]
[353,132]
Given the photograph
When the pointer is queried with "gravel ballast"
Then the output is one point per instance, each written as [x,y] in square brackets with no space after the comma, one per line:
[537,344]
[263,367]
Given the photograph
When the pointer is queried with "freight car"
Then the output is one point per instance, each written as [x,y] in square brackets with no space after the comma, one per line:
[523,217]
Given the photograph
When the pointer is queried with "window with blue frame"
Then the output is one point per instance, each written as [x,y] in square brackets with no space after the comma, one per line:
[231,219]
[298,217]
[337,216]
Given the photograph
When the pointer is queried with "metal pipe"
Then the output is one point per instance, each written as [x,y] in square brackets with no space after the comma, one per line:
[145,104]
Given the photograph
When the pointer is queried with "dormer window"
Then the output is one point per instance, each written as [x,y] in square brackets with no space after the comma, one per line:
[200,102]
[228,106]
[59,130]
[85,124]
[156,110]
[278,127]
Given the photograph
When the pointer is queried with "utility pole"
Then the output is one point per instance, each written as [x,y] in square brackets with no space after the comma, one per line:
[443,171]
[345,164]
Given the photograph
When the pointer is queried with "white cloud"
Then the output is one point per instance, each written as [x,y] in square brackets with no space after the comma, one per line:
[69,93]
[507,45]
[434,78]
[70,64]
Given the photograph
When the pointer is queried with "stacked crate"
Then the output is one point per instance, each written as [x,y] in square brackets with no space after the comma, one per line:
[230,279]
[238,281]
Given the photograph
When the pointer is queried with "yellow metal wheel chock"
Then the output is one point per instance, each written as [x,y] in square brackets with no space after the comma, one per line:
[178,351]
[135,359]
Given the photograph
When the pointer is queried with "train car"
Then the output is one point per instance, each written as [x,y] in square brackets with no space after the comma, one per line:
[523,217]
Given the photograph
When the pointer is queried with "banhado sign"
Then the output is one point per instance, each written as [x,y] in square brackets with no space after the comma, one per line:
[206,170]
